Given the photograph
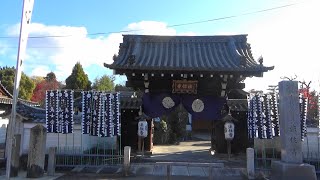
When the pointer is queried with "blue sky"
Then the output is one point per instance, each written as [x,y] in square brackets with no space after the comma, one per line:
[285,37]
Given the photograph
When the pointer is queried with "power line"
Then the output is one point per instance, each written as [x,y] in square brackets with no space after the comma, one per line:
[233,16]
[175,25]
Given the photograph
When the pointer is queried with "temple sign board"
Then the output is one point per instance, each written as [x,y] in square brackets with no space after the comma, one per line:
[184,86]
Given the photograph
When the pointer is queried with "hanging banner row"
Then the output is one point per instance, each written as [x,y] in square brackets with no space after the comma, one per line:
[263,116]
[100,113]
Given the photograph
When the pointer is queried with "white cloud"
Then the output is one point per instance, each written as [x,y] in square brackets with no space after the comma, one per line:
[290,42]
[60,54]
[40,71]
[151,28]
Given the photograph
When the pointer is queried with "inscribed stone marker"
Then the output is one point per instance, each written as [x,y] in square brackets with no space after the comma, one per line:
[290,129]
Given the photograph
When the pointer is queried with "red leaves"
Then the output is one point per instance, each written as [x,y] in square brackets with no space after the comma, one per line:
[311,96]
[39,93]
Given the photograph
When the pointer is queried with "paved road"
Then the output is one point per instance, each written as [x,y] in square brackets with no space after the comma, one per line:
[87,176]
[193,151]
[191,160]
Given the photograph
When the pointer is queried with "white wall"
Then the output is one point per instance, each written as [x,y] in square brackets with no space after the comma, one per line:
[311,143]
[75,142]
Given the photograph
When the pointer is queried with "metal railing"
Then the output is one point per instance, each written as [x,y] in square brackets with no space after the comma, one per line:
[264,155]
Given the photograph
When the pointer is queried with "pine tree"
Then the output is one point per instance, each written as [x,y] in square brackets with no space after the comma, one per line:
[78,79]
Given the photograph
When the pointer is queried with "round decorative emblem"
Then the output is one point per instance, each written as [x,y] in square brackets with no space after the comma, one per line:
[51,94]
[88,95]
[197,105]
[167,102]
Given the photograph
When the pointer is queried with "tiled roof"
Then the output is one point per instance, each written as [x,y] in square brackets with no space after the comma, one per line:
[6,97]
[238,104]
[127,101]
[31,113]
[186,53]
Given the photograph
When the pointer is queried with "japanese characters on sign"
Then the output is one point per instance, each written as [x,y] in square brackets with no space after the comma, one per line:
[184,86]
[59,111]
[262,117]
[101,114]
[143,128]
[229,130]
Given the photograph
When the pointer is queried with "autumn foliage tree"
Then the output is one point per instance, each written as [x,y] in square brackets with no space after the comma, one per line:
[312,98]
[49,83]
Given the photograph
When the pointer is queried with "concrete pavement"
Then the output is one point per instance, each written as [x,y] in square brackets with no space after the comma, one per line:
[159,171]
[23,175]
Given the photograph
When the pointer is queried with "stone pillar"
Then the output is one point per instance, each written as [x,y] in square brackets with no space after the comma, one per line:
[126,160]
[290,166]
[52,161]
[250,163]
[15,156]
[37,150]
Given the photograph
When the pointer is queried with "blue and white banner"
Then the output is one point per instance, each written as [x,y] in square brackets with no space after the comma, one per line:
[303,105]
[101,114]
[266,117]
[51,112]
[260,116]
[59,111]
[116,115]
[250,121]
[86,112]
[259,122]
[274,115]
[95,120]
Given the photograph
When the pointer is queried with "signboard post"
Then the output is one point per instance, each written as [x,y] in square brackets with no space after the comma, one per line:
[229,135]
[142,132]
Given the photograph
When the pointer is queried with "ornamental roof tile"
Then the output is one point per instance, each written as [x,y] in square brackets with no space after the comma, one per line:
[238,104]
[186,53]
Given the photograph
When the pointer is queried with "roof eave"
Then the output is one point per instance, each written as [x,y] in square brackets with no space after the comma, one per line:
[132,68]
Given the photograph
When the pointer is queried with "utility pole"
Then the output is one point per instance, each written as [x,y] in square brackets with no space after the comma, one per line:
[24,33]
